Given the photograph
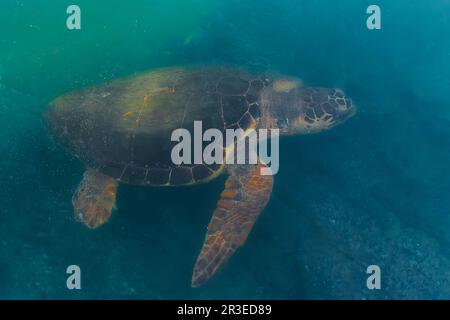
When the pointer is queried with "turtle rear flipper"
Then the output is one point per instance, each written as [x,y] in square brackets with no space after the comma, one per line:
[94,199]
[246,194]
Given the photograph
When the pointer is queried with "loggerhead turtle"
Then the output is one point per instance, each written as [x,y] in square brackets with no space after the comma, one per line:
[121,131]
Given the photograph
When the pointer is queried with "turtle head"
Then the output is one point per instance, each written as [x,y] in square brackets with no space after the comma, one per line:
[322,109]
[305,110]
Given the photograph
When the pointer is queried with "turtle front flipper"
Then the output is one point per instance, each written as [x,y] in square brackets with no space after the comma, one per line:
[94,199]
[246,194]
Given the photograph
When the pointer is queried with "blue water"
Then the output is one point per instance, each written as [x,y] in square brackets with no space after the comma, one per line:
[372,191]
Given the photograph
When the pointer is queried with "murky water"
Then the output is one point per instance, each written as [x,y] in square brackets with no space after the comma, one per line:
[372,191]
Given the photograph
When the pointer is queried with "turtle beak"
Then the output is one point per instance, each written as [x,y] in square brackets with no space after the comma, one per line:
[346,110]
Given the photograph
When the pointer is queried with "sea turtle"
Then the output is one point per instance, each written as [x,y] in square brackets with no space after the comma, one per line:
[121,131]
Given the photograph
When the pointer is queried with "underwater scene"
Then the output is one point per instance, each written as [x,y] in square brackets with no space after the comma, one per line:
[360,211]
